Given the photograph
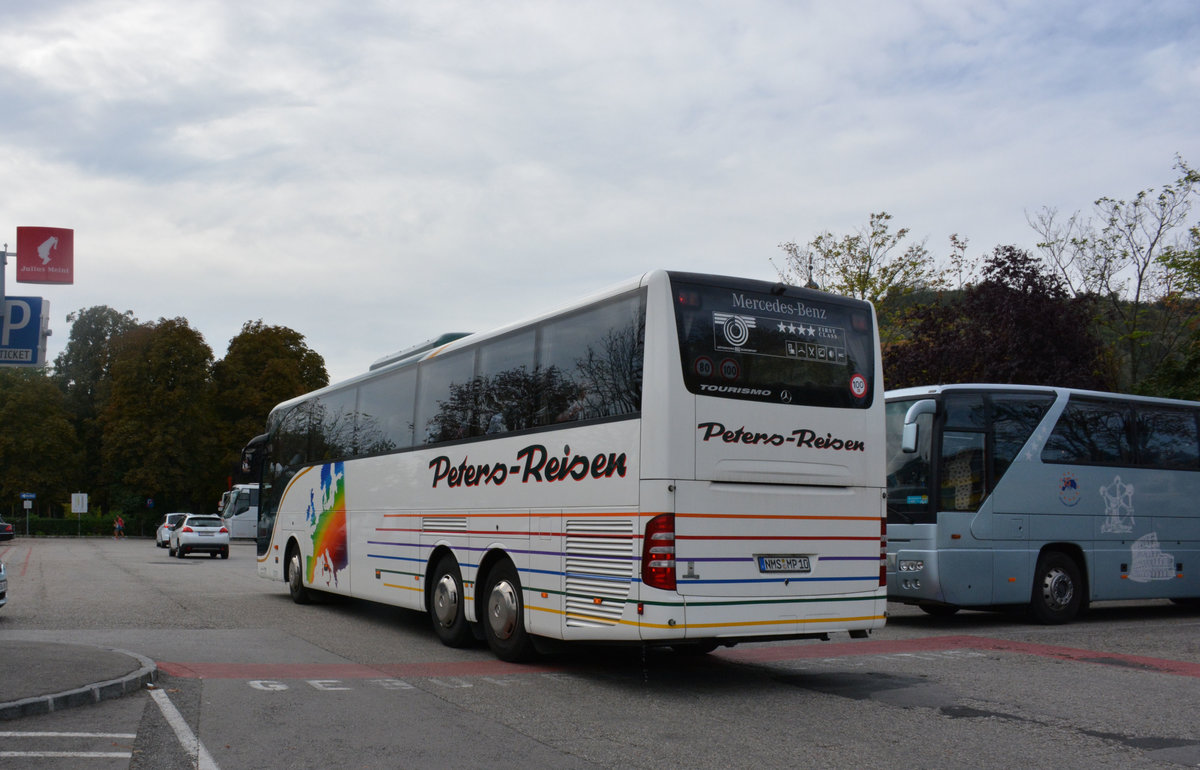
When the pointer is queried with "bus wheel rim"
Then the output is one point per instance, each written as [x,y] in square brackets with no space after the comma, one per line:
[502,609]
[445,601]
[1058,589]
[294,572]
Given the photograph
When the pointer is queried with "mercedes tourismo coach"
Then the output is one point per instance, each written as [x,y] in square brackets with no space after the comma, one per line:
[688,460]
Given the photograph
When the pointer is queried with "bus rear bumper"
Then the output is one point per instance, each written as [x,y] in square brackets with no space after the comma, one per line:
[720,620]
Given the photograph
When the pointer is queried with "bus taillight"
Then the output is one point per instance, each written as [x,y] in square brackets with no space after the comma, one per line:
[658,552]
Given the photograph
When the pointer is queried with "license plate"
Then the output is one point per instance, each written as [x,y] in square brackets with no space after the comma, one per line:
[783,563]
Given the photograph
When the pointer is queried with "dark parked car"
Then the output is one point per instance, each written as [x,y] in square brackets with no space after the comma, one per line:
[7,532]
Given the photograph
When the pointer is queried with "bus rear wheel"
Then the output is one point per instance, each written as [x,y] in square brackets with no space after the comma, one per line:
[446,604]
[1057,589]
[504,625]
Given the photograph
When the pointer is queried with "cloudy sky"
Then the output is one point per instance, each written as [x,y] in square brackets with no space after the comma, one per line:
[372,173]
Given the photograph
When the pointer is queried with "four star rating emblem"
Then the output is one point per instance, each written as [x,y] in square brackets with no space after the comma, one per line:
[790,328]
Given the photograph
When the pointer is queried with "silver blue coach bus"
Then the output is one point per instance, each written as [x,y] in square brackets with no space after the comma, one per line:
[1002,495]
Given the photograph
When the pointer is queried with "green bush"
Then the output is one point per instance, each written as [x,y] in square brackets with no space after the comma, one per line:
[141,524]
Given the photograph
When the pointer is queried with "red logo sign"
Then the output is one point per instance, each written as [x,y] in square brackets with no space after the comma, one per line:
[45,255]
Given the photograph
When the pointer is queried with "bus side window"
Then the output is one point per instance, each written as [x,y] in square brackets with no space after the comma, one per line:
[333,426]
[385,413]
[962,471]
[1091,433]
[508,384]
[1014,419]
[447,395]
[599,355]
[1167,438]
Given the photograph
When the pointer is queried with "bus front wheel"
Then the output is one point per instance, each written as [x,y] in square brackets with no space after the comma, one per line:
[295,579]
[446,604]
[504,625]
[1057,589]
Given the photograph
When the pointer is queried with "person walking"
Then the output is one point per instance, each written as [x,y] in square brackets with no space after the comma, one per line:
[118,527]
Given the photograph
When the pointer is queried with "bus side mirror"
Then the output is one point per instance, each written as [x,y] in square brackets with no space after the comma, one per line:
[252,454]
[908,441]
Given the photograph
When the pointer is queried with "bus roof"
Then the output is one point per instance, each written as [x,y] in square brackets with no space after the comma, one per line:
[903,394]
[448,343]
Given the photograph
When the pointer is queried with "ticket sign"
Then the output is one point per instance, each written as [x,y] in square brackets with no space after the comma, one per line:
[23,330]
[45,255]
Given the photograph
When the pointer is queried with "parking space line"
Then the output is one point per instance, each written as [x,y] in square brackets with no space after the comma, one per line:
[43,737]
[191,744]
[19,734]
[66,754]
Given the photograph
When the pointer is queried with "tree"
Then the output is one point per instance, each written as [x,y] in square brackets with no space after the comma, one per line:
[82,372]
[864,264]
[158,438]
[1017,325]
[39,451]
[1128,262]
[264,366]
[1179,377]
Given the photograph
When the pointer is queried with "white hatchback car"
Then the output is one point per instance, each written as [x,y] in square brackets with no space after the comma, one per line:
[162,538]
[199,534]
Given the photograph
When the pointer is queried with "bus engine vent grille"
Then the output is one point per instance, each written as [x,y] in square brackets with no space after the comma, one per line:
[444,524]
[599,570]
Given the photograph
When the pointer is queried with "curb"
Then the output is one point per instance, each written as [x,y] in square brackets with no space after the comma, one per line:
[83,696]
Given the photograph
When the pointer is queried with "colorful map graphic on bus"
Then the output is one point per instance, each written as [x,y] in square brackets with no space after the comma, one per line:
[328,525]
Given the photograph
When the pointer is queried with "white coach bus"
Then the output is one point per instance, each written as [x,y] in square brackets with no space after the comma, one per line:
[684,460]
[1052,498]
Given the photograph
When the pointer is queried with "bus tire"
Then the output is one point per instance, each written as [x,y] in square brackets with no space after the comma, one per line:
[1057,589]
[295,578]
[938,610]
[445,604]
[504,624]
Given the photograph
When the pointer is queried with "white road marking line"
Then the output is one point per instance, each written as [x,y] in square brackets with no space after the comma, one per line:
[191,744]
[70,754]
[15,734]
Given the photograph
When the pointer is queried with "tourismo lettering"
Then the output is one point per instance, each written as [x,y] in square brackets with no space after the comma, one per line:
[734,390]
[801,437]
[534,463]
